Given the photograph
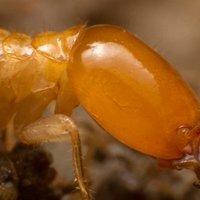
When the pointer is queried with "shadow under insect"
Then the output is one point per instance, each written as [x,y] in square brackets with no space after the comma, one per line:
[27,171]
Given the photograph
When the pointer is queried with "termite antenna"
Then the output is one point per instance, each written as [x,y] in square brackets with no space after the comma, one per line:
[191,160]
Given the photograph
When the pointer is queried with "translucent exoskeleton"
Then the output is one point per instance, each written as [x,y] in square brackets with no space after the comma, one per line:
[32,75]
[130,90]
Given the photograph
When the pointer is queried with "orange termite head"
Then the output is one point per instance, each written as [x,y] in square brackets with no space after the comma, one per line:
[133,93]
[146,104]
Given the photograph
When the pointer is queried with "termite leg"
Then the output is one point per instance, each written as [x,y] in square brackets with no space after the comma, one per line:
[10,139]
[58,128]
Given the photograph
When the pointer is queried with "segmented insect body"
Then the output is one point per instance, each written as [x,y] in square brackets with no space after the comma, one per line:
[32,74]
[124,85]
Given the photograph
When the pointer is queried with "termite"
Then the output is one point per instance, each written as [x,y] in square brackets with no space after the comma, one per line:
[130,90]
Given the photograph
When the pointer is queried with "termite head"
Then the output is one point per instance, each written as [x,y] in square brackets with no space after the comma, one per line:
[57,45]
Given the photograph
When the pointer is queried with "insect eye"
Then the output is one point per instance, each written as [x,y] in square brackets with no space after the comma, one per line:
[184,130]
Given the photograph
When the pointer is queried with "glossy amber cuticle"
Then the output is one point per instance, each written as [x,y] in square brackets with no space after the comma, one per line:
[132,92]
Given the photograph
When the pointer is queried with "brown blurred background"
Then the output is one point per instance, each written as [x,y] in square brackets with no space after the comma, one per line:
[172,28]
